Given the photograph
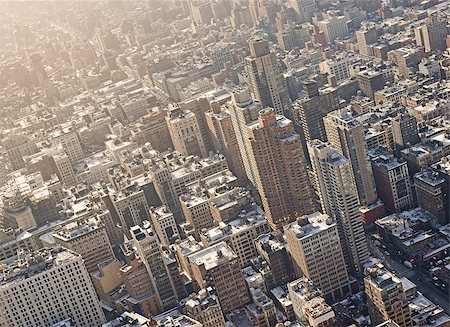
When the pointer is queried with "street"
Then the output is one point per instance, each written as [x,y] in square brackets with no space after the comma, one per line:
[424,283]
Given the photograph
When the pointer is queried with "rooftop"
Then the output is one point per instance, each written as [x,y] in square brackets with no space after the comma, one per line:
[310,225]
[78,229]
[213,256]
[27,264]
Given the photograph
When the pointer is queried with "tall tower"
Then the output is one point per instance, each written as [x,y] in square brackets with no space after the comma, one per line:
[243,111]
[149,250]
[281,176]
[224,139]
[266,81]
[339,199]
[386,298]
[346,135]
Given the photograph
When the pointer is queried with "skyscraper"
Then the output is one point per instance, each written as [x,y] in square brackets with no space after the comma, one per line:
[346,135]
[224,139]
[310,110]
[277,158]
[339,199]
[243,110]
[267,84]
[149,250]
[386,298]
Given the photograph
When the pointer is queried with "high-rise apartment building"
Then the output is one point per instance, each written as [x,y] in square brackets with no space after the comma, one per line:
[239,234]
[87,238]
[218,266]
[149,250]
[339,200]
[310,110]
[64,169]
[314,244]
[196,211]
[304,9]
[128,207]
[199,107]
[153,128]
[185,132]
[347,136]
[17,146]
[43,288]
[267,84]
[244,111]
[365,36]
[281,176]
[386,297]
[224,139]
[133,106]
[433,33]
[274,252]
[407,59]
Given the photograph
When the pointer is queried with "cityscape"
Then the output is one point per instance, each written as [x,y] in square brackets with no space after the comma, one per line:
[224,163]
